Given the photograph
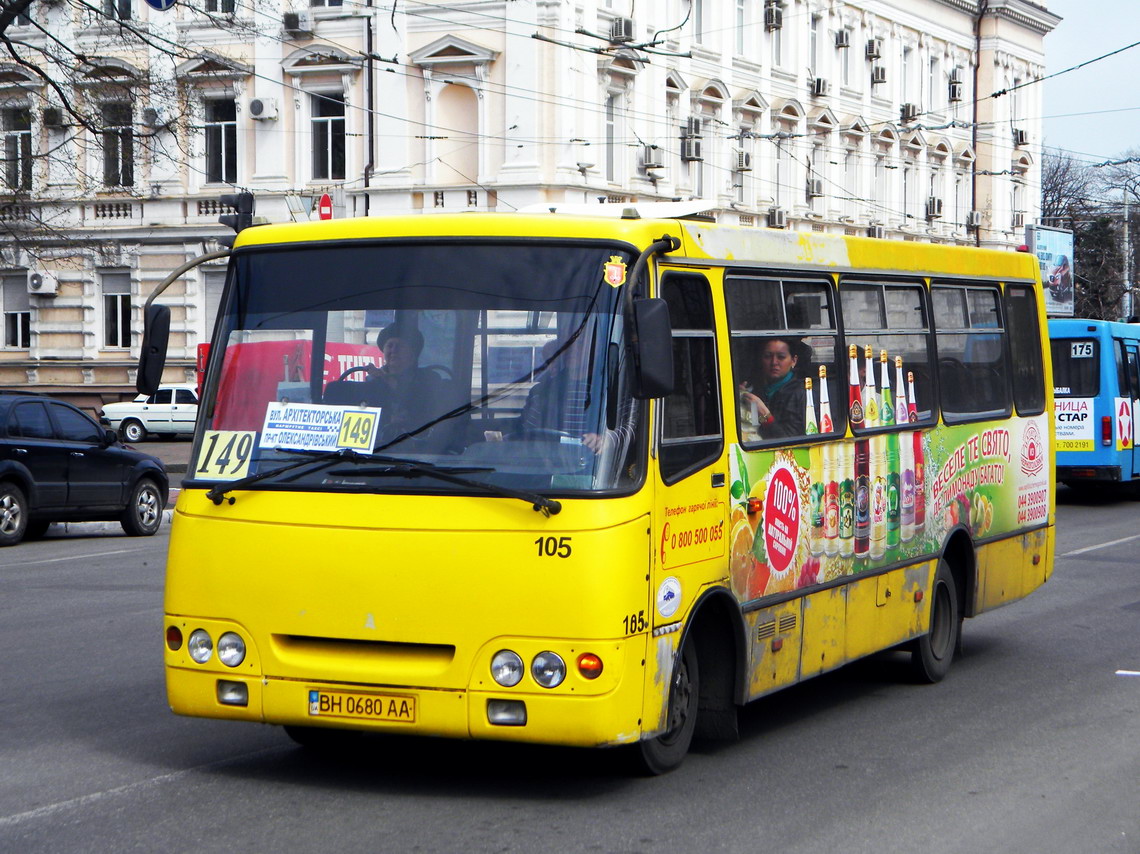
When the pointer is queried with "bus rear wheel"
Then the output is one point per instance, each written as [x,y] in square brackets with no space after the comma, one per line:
[932,654]
[665,752]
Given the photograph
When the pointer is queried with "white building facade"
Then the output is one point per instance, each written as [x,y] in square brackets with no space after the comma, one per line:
[901,119]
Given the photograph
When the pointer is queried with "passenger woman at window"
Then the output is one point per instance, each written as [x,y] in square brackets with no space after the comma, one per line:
[777,401]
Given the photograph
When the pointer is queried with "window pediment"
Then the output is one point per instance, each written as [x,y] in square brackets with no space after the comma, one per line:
[212,66]
[451,50]
[320,59]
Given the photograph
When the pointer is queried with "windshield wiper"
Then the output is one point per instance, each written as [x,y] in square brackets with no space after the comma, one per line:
[406,468]
[218,492]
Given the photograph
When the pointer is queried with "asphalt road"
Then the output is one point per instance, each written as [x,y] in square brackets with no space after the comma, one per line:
[1032,744]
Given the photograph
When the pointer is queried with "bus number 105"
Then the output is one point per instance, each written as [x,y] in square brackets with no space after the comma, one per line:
[553,546]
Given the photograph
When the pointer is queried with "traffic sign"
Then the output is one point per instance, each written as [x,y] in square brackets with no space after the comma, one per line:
[161,5]
[324,207]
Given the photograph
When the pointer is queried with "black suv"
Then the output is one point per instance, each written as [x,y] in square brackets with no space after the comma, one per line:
[58,465]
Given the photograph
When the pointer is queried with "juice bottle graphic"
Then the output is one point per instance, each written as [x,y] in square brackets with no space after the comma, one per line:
[906,459]
[877,464]
[919,461]
[862,498]
[830,484]
[893,477]
[811,426]
[849,454]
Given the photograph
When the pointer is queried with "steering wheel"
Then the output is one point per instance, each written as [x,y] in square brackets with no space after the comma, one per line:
[547,433]
[442,370]
[351,371]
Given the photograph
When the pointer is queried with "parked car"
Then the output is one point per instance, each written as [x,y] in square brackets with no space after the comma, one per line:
[172,409]
[58,465]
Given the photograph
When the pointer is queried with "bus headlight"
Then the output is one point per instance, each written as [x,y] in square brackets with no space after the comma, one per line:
[200,646]
[548,669]
[231,649]
[507,668]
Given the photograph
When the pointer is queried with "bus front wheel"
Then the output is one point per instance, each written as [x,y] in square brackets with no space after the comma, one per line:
[665,752]
[932,654]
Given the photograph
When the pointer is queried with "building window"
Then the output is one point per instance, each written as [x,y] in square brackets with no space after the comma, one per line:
[17,312]
[24,17]
[326,2]
[740,27]
[18,148]
[226,7]
[778,46]
[119,10]
[221,142]
[814,45]
[611,136]
[116,309]
[328,136]
[698,21]
[845,60]
[936,92]
[118,146]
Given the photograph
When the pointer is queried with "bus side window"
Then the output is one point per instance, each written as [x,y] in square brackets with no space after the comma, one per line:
[1025,350]
[890,319]
[691,435]
[769,316]
[973,378]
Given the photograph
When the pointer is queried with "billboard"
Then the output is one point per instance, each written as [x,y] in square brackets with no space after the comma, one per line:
[1054,250]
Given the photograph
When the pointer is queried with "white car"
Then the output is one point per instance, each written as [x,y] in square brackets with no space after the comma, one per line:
[171,409]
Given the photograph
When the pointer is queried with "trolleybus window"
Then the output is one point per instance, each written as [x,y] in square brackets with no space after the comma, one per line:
[1076,367]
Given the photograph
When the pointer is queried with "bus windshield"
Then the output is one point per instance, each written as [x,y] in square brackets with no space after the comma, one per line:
[501,364]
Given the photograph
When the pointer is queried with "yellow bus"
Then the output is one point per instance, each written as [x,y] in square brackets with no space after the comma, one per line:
[596,481]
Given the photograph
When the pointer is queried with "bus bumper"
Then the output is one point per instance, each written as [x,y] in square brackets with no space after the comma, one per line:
[565,717]
[1088,474]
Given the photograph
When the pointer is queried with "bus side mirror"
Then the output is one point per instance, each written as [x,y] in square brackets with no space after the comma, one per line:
[152,359]
[653,352]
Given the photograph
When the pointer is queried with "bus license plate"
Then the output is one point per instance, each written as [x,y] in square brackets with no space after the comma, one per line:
[371,707]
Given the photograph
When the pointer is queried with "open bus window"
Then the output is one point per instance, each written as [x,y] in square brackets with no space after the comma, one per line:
[890,323]
[783,333]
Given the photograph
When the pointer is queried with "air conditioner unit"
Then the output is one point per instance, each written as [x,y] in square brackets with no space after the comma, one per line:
[1018,219]
[692,126]
[263,109]
[621,30]
[298,23]
[154,117]
[933,207]
[908,112]
[956,75]
[874,48]
[44,284]
[1020,137]
[819,86]
[652,157]
[53,118]
[773,17]
[691,149]
[974,220]
[956,92]
[878,74]
[814,188]
[777,218]
[843,38]
[744,161]
[876,231]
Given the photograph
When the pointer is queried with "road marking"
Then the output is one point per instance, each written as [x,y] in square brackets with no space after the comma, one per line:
[1128,672]
[1101,546]
[94,797]
[87,556]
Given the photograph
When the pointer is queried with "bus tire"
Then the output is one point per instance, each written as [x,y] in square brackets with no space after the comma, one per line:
[665,752]
[932,654]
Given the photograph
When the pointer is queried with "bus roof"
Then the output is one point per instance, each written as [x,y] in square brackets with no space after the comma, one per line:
[701,241]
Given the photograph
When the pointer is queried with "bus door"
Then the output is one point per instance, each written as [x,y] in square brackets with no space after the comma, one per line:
[1127,410]
[691,506]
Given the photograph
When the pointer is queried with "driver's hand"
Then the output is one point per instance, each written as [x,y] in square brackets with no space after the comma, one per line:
[594,442]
